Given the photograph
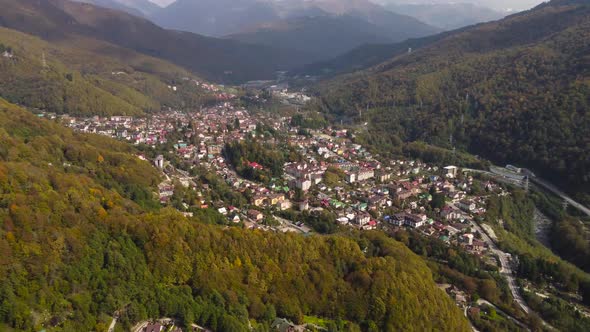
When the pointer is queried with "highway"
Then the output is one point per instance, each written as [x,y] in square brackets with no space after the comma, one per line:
[501,176]
[561,194]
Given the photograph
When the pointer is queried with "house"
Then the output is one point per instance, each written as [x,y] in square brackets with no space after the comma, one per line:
[403,194]
[466,205]
[451,171]
[276,198]
[157,327]
[383,176]
[415,221]
[370,225]
[449,213]
[362,218]
[398,219]
[255,215]
[467,238]
[284,205]
[159,162]
[255,165]
[303,184]
[351,177]
[303,205]
[365,174]
[478,245]
[451,230]
[214,149]
[259,200]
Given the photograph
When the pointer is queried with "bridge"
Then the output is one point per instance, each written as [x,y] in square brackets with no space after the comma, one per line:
[523,179]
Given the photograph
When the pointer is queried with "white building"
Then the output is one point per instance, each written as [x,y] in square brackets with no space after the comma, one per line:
[159,162]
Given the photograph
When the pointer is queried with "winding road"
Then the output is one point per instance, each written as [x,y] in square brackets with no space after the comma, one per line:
[505,268]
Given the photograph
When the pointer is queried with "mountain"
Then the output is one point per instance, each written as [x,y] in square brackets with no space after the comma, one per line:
[114,4]
[515,91]
[57,77]
[214,59]
[323,36]
[143,8]
[448,16]
[504,6]
[294,23]
[215,17]
[331,34]
[79,245]
[362,57]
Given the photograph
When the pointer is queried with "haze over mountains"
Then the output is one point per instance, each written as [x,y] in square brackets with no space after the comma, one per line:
[135,7]
[312,29]
[321,27]
[448,16]
[498,5]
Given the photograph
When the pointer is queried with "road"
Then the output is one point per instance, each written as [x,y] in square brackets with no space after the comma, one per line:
[505,268]
[499,175]
[289,224]
[516,321]
[113,323]
[561,194]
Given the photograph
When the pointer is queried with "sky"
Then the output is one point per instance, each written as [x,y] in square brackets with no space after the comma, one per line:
[503,5]
[162,3]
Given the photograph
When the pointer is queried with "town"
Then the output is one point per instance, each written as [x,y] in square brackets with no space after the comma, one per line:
[326,182]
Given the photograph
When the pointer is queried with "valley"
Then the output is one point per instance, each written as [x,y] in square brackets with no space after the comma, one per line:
[294,166]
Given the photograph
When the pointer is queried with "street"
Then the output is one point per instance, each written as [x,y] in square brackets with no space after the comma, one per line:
[505,268]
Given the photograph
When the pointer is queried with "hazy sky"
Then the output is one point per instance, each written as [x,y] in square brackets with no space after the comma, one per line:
[496,4]
[162,2]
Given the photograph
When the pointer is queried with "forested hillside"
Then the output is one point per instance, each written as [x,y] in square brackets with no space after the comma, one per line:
[58,77]
[82,238]
[66,21]
[515,91]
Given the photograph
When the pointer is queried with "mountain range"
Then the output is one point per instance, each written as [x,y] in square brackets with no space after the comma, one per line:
[447,16]
[226,17]
[325,36]
[312,29]
[215,59]
[143,8]
[320,27]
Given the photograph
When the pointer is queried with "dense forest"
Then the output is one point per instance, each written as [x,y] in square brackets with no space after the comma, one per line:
[515,91]
[76,248]
[256,161]
[571,239]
